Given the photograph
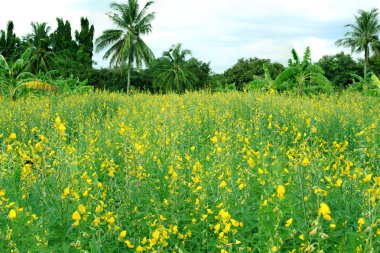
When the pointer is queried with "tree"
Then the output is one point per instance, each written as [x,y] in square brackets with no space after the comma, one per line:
[84,39]
[338,69]
[302,75]
[172,70]
[202,72]
[364,35]
[8,41]
[42,57]
[242,72]
[61,39]
[127,46]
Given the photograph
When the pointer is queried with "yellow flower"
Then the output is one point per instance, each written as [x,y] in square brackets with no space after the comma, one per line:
[139,249]
[76,217]
[214,139]
[361,222]
[66,191]
[235,223]
[301,237]
[12,136]
[359,134]
[325,211]
[367,178]
[156,234]
[280,191]
[38,146]
[122,235]
[12,214]
[81,208]
[289,222]
[61,127]
[216,228]
[305,162]
[222,184]
[96,221]
[274,249]
[57,120]
[332,226]
[129,244]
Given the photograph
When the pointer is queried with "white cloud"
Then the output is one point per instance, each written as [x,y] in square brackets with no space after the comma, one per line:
[220,31]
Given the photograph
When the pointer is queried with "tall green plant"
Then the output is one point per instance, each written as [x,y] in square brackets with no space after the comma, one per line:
[42,58]
[303,75]
[261,83]
[8,41]
[127,46]
[172,71]
[14,77]
[364,35]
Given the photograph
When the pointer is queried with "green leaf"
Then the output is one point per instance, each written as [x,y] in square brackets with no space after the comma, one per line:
[3,63]
[285,75]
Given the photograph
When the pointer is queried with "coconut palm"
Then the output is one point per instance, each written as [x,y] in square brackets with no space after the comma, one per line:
[42,58]
[127,48]
[364,35]
[172,70]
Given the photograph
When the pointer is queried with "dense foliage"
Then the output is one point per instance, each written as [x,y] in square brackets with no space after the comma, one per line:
[132,62]
[200,172]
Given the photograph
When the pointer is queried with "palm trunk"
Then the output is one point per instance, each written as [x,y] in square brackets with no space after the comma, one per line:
[128,78]
[366,60]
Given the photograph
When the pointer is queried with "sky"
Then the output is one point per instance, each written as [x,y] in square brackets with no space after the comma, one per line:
[216,31]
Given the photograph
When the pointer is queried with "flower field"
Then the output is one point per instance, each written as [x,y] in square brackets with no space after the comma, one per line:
[199,172]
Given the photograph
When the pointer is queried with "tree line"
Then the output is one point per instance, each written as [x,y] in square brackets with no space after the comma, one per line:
[58,54]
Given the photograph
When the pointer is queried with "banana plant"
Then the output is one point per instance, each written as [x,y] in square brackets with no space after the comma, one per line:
[369,84]
[303,73]
[14,77]
[261,83]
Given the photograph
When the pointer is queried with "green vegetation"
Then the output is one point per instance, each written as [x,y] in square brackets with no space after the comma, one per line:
[132,62]
[198,172]
[260,158]
[127,47]
[364,35]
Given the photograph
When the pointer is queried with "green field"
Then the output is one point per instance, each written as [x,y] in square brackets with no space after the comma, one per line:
[198,172]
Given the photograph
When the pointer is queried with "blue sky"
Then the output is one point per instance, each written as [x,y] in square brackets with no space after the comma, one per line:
[219,31]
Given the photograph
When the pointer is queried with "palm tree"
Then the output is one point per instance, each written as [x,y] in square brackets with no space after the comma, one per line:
[172,70]
[364,35]
[127,47]
[42,58]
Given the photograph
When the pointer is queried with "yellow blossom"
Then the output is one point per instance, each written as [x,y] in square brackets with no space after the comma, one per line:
[280,191]
[325,211]
[289,222]
[306,162]
[122,234]
[81,208]
[129,244]
[222,184]
[139,249]
[76,217]
[12,214]
[96,221]
[12,136]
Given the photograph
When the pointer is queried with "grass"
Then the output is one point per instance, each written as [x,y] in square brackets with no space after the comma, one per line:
[226,172]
